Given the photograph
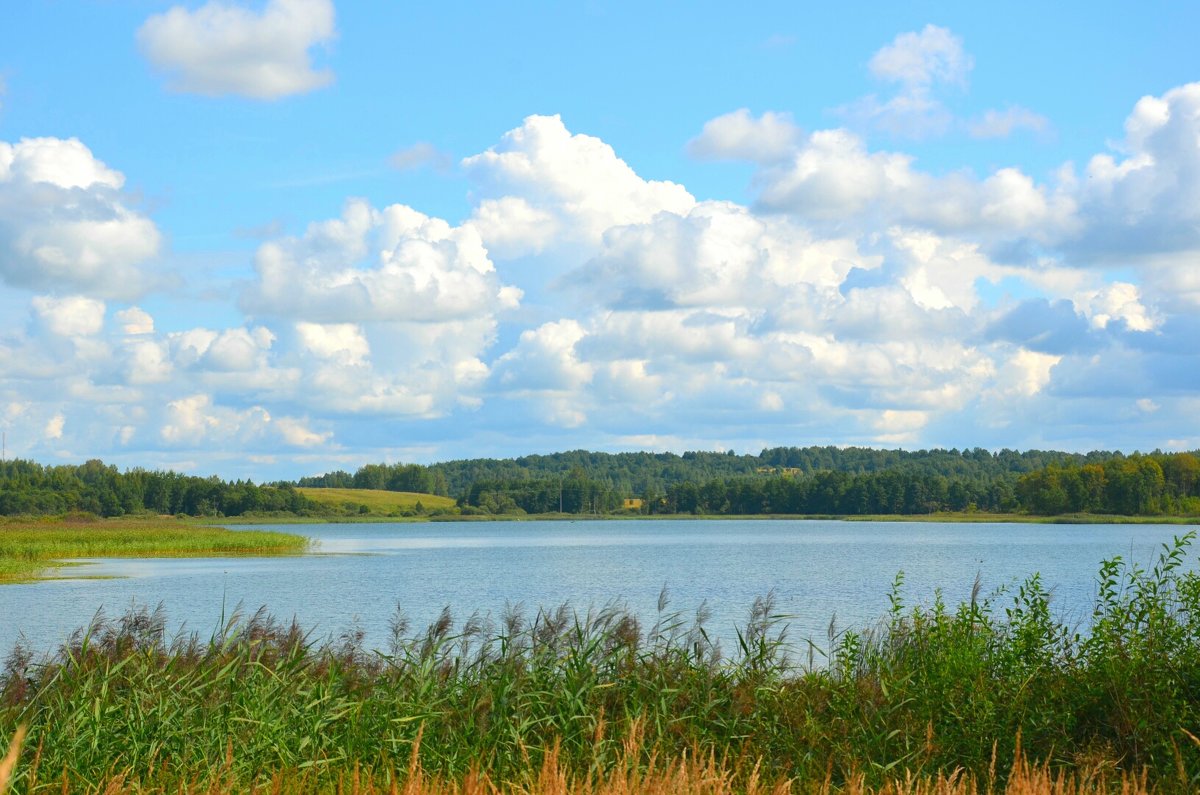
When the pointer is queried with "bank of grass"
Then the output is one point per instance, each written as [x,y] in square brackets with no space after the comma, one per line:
[981,691]
[379,502]
[29,547]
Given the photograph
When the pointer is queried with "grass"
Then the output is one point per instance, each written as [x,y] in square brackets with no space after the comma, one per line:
[987,693]
[28,547]
[378,502]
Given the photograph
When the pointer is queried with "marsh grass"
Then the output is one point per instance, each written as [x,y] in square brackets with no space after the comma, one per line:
[992,694]
[31,546]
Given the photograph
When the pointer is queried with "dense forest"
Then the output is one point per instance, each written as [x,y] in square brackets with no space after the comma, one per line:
[786,480]
[636,474]
[30,488]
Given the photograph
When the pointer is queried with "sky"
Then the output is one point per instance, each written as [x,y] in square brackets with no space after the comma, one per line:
[275,238]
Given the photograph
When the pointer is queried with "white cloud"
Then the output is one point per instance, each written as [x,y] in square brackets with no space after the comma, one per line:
[1148,202]
[394,264]
[899,427]
[296,433]
[148,362]
[54,427]
[919,64]
[223,48]
[935,55]
[136,321]
[545,359]
[1003,123]
[1117,301]
[343,341]
[834,180]
[576,180]
[64,225]
[740,136]
[1026,373]
[73,316]
[195,419]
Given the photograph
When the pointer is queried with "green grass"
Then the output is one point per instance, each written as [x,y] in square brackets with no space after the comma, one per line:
[378,502]
[30,547]
[931,689]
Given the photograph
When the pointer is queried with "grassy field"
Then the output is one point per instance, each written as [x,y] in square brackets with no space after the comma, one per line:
[29,547]
[995,694]
[379,503]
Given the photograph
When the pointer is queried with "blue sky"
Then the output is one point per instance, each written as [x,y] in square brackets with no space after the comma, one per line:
[274,238]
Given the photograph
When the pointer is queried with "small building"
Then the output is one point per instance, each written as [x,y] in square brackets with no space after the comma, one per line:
[632,503]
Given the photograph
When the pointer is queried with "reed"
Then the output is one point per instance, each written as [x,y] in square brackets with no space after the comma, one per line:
[994,693]
[30,546]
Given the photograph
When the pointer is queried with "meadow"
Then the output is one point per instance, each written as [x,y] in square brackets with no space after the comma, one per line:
[378,502]
[34,547]
[990,694]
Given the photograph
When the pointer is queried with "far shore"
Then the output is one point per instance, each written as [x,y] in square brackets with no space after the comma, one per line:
[961,518]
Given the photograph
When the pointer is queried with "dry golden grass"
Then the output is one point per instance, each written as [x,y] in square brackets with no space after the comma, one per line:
[10,759]
[690,775]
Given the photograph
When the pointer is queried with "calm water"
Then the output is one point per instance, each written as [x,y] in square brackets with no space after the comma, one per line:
[817,570]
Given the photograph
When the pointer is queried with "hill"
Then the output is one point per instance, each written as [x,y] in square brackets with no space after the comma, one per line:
[377,502]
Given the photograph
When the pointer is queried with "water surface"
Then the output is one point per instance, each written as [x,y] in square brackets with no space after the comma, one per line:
[818,570]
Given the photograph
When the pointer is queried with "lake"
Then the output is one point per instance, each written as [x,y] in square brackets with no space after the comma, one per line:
[817,570]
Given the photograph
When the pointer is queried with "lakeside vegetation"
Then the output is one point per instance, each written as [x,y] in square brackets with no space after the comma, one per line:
[30,547]
[972,693]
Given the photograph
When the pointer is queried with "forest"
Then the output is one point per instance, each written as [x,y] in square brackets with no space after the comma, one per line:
[815,481]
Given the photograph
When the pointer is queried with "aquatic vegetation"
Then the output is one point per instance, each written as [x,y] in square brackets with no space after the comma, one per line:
[28,547]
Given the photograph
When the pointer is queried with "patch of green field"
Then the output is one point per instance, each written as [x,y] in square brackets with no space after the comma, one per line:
[28,547]
[380,503]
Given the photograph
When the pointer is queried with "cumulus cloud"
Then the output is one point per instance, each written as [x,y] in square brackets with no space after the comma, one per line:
[341,341]
[833,179]
[195,419]
[136,321]
[1146,202]
[914,60]
[391,264]
[54,427]
[223,48]
[541,173]
[297,434]
[65,225]
[740,136]
[859,299]
[73,316]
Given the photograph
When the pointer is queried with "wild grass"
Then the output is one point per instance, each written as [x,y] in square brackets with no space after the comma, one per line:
[993,693]
[29,547]
[378,502]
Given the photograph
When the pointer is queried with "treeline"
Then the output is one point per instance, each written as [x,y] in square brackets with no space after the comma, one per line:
[386,477]
[30,488]
[636,474]
[822,493]
[813,481]
[1100,483]
[1140,484]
